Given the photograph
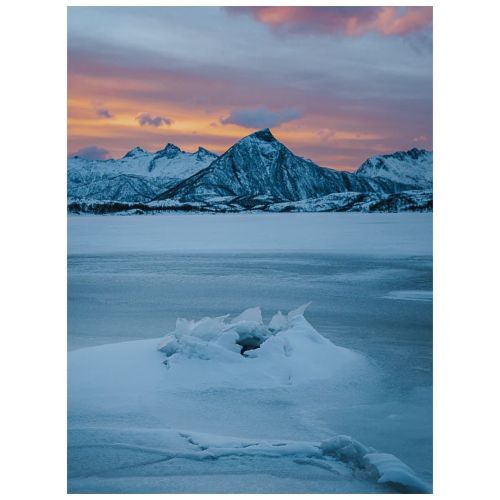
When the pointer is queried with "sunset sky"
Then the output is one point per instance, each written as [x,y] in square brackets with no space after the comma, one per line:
[335,84]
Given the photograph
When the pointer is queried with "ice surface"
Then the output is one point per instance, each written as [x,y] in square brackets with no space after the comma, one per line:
[379,234]
[178,461]
[131,379]
[195,457]
[418,295]
[130,277]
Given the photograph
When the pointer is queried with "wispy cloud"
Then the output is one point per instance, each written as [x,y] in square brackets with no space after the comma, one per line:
[92,153]
[261,117]
[326,134]
[420,138]
[153,121]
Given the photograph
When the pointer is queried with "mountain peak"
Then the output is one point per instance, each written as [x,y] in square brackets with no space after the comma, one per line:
[263,135]
[169,151]
[412,167]
[259,166]
[203,154]
[415,152]
[134,152]
[171,147]
[203,151]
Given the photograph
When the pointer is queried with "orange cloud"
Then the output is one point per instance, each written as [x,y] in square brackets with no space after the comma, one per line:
[347,147]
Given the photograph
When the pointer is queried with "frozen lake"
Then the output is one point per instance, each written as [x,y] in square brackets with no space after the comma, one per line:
[369,277]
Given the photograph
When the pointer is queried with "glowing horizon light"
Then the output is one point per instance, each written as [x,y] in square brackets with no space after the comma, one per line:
[335,86]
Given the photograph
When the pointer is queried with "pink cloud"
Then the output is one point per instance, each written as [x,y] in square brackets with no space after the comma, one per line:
[420,138]
[391,22]
[350,21]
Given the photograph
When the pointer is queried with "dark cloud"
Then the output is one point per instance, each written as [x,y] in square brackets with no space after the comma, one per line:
[103,113]
[261,117]
[92,153]
[153,121]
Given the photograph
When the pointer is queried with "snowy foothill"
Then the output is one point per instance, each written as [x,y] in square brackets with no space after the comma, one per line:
[143,415]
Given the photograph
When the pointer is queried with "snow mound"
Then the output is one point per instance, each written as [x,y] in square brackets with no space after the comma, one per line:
[384,467]
[346,449]
[391,470]
[244,352]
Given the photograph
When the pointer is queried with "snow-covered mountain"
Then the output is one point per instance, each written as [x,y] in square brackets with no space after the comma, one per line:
[413,167]
[139,176]
[260,165]
[256,173]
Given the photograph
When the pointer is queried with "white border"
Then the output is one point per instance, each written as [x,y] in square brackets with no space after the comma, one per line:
[33,166]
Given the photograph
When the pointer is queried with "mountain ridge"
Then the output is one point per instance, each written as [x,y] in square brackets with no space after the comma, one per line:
[412,167]
[138,176]
[259,164]
[258,172]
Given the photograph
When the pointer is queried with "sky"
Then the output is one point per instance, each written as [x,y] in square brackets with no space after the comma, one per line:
[335,84]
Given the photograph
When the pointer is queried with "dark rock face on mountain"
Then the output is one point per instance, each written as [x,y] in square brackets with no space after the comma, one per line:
[259,165]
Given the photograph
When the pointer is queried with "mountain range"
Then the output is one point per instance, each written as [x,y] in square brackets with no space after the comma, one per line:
[137,177]
[256,173]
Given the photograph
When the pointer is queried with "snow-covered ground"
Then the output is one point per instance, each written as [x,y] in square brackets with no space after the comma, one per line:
[377,234]
[200,417]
